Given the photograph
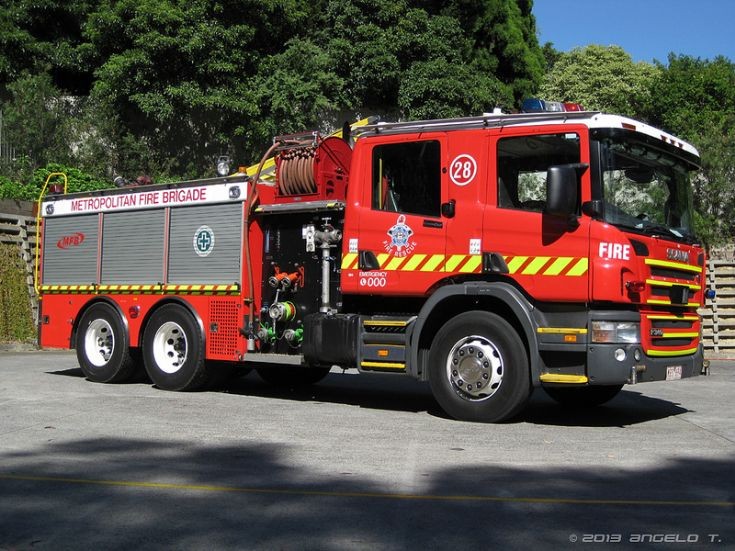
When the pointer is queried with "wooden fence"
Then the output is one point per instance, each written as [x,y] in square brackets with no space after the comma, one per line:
[719,313]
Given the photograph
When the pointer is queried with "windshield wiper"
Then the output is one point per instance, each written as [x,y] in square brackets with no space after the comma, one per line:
[660,229]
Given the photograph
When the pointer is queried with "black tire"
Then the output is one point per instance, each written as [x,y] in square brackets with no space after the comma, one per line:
[292,376]
[173,350]
[102,345]
[485,350]
[583,397]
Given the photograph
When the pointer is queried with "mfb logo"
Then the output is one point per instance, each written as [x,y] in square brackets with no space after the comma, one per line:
[73,240]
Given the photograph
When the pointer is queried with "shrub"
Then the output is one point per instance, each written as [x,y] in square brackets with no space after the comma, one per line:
[16,317]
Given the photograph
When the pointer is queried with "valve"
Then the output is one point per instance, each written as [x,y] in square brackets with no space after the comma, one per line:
[294,336]
[266,334]
[285,281]
[282,311]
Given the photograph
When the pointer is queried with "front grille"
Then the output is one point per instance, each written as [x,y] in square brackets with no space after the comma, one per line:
[673,284]
[664,334]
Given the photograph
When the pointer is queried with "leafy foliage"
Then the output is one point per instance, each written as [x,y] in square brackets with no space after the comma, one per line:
[696,99]
[16,321]
[76,179]
[602,78]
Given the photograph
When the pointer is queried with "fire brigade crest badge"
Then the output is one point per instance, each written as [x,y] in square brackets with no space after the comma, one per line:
[400,243]
[203,241]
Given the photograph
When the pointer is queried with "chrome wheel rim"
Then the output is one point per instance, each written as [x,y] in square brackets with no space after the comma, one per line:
[475,368]
[99,343]
[170,347]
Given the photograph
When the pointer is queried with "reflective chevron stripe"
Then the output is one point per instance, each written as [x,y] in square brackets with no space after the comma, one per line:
[141,289]
[565,266]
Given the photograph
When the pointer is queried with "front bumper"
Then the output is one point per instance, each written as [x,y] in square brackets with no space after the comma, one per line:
[603,368]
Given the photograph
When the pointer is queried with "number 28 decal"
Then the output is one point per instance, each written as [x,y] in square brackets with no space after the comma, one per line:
[463,169]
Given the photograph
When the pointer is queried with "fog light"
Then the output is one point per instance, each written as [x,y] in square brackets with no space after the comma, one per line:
[619,354]
[637,355]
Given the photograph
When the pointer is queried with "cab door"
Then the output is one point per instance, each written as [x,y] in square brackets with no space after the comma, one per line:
[546,255]
[395,233]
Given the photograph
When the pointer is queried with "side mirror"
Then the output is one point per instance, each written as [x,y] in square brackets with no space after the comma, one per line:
[562,183]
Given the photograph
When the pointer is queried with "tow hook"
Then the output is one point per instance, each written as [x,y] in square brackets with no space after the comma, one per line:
[634,371]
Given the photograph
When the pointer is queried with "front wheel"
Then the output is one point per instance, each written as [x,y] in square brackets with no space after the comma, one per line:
[173,349]
[478,368]
[102,345]
[583,397]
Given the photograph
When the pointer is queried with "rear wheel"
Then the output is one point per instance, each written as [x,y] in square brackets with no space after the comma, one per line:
[478,368]
[102,345]
[173,349]
[292,375]
[583,397]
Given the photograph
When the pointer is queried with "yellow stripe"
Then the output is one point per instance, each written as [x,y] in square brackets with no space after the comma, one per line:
[579,268]
[676,335]
[563,378]
[471,265]
[365,495]
[397,261]
[453,261]
[562,330]
[432,263]
[657,283]
[668,302]
[675,318]
[558,265]
[413,262]
[675,265]
[669,353]
[536,264]
[386,365]
[516,263]
[381,260]
[348,260]
[386,323]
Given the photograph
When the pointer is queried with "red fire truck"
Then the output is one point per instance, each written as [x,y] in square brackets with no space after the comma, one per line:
[486,255]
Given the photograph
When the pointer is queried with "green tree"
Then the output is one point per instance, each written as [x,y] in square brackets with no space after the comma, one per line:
[602,78]
[34,118]
[695,99]
[45,36]
[502,38]
[166,86]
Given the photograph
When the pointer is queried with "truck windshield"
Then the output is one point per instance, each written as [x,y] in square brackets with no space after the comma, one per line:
[646,188]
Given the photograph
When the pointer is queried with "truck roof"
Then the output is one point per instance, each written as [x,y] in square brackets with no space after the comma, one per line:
[591,119]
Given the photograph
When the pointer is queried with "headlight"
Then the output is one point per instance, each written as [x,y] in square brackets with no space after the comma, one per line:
[616,332]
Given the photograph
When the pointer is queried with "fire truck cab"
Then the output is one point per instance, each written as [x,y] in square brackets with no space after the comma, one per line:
[486,255]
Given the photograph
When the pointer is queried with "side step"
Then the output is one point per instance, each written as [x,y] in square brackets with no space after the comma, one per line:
[383,343]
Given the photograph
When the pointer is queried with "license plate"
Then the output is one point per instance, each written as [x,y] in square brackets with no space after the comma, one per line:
[673,372]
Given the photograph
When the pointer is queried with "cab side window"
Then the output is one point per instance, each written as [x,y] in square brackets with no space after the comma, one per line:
[522,165]
[407,178]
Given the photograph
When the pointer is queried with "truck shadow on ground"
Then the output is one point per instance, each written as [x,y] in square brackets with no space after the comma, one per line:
[395,393]
[128,493]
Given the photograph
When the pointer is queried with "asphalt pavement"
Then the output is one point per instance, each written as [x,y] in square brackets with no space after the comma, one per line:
[356,462]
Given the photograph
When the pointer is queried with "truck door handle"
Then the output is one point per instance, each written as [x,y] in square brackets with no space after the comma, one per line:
[448,208]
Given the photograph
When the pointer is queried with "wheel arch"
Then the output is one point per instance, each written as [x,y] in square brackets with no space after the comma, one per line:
[93,302]
[499,298]
[164,302]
